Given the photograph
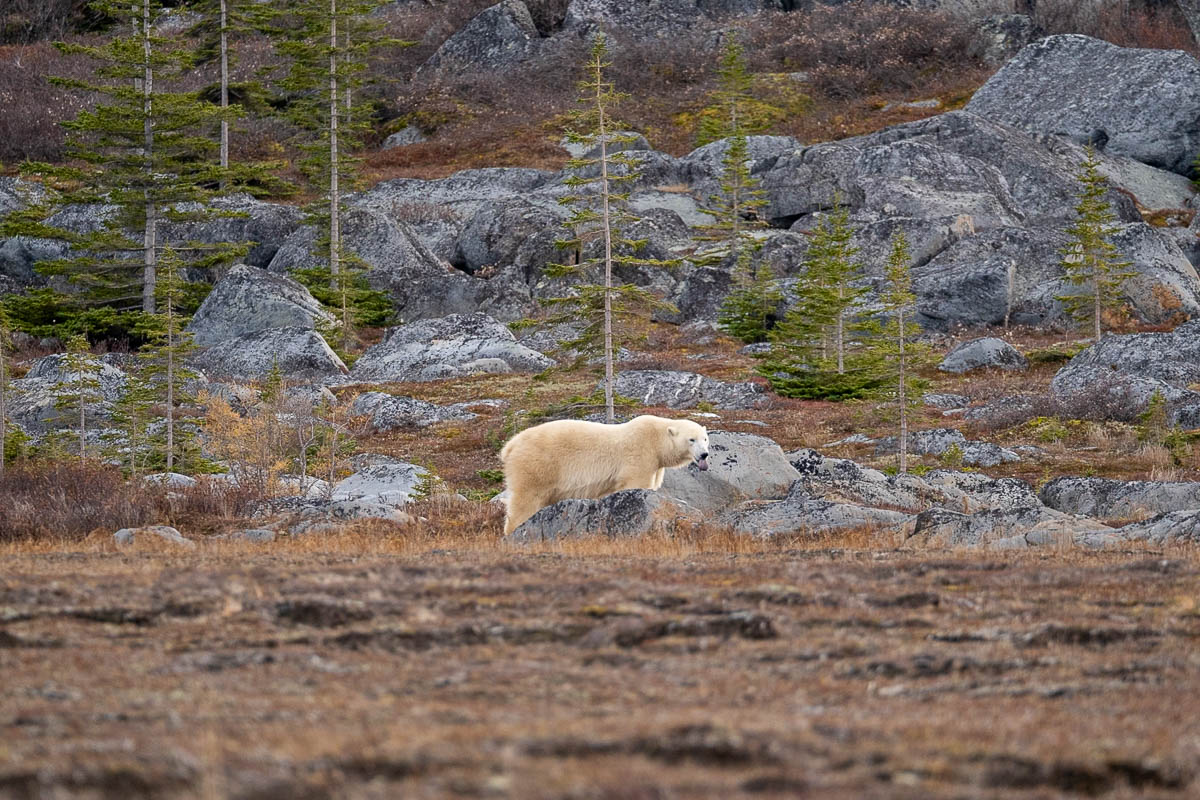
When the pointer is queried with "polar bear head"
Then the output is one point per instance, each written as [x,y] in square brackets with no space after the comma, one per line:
[690,441]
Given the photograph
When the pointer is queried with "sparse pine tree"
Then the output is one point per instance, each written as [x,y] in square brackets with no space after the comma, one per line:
[1090,260]
[80,385]
[5,344]
[599,203]
[821,347]
[144,153]
[733,109]
[902,354]
[328,44]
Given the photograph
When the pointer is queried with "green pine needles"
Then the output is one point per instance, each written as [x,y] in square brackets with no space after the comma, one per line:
[599,203]
[823,346]
[733,100]
[1090,260]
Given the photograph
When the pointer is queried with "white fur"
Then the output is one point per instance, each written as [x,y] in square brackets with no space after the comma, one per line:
[571,458]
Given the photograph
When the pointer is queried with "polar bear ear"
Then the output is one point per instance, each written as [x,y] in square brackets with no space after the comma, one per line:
[672,430]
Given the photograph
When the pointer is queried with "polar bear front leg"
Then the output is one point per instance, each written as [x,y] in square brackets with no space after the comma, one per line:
[657,483]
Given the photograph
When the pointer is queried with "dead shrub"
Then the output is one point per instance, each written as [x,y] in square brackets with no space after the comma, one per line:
[1124,23]
[858,48]
[33,109]
[67,500]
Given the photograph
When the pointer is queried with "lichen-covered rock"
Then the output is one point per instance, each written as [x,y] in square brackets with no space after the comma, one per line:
[741,466]
[1112,499]
[1145,102]
[988,352]
[35,401]
[800,513]
[390,412]
[299,353]
[1001,529]
[248,299]
[633,512]
[940,441]
[1173,527]
[450,347]
[392,483]
[150,533]
[675,389]
[498,37]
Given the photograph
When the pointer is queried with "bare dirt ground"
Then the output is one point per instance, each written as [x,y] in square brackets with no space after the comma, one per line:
[597,670]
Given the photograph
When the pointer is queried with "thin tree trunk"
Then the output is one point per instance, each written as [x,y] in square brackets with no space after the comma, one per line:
[82,412]
[224,92]
[150,237]
[346,56]
[334,200]
[609,414]
[1096,303]
[841,339]
[1012,287]
[170,376]
[3,394]
[903,401]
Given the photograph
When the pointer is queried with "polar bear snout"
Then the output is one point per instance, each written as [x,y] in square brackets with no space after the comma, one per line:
[702,461]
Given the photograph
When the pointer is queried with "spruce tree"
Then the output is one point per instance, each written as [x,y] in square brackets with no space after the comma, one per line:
[901,353]
[733,101]
[747,310]
[1090,260]
[821,347]
[5,340]
[79,386]
[328,44]
[143,153]
[600,211]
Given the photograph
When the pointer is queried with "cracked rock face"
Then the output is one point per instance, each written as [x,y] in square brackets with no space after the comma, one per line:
[1146,102]
[982,353]
[1112,499]
[632,512]
[248,299]
[449,347]
[675,389]
[297,352]
[741,466]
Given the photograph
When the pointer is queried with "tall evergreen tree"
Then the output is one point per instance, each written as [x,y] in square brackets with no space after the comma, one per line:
[143,154]
[600,211]
[328,44]
[733,109]
[821,347]
[901,353]
[747,310]
[1090,260]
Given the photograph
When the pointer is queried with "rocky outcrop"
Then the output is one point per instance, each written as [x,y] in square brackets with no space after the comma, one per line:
[521,231]
[1116,378]
[1032,526]
[496,38]
[389,482]
[1000,36]
[449,347]
[802,514]
[241,218]
[942,441]
[298,353]
[248,299]
[1142,103]
[988,352]
[36,401]
[633,512]
[741,466]
[149,534]
[1112,499]
[390,412]
[674,389]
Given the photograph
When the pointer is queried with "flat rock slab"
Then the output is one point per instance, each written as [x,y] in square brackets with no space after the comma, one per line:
[298,353]
[248,299]
[676,389]
[151,533]
[802,514]
[1112,499]
[742,466]
[632,512]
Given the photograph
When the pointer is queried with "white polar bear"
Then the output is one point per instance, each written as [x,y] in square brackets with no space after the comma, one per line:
[572,458]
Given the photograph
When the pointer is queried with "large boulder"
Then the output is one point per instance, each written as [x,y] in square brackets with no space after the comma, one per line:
[1141,103]
[522,230]
[943,441]
[1117,377]
[741,466]
[393,483]
[389,412]
[298,353]
[20,255]
[674,389]
[249,299]
[241,218]
[496,38]
[661,18]
[632,512]
[449,347]
[983,353]
[36,402]
[1002,529]
[1173,527]
[802,514]
[1112,499]
[698,296]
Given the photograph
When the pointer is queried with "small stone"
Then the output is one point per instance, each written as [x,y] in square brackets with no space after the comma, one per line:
[131,536]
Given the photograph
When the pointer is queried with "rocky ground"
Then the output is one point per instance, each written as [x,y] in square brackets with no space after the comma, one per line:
[649,670]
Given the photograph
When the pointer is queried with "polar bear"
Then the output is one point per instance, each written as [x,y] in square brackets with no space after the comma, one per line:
[573,458]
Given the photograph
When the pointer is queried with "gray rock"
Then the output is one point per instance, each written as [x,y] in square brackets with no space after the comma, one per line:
[1145,101]
[1112,499]
[392,484]
[248,299]
[1000,36]
[255,535]
[939,441]
[521,231]
[633,512]
[698,296]
[33,401]
[498,37]
[241,218]
[661,18]
[326,516]
[741,466]
[674,389]
[171,480]
[704,165]
[450,347]
[945,402]
[802,514]
[1173,527]
[20,255]
[1000,529]
[299,353]
[391,412]
[617,142]
[1117,377]
[16,194]
[130,536]
[980,353]
[409,134]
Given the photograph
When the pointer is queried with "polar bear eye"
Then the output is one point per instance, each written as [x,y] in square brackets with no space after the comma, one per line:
[693,441]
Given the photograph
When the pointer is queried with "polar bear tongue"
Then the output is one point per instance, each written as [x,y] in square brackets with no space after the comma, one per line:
[703,465]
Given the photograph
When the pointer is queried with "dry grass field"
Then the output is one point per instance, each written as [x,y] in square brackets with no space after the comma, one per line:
[383,665]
